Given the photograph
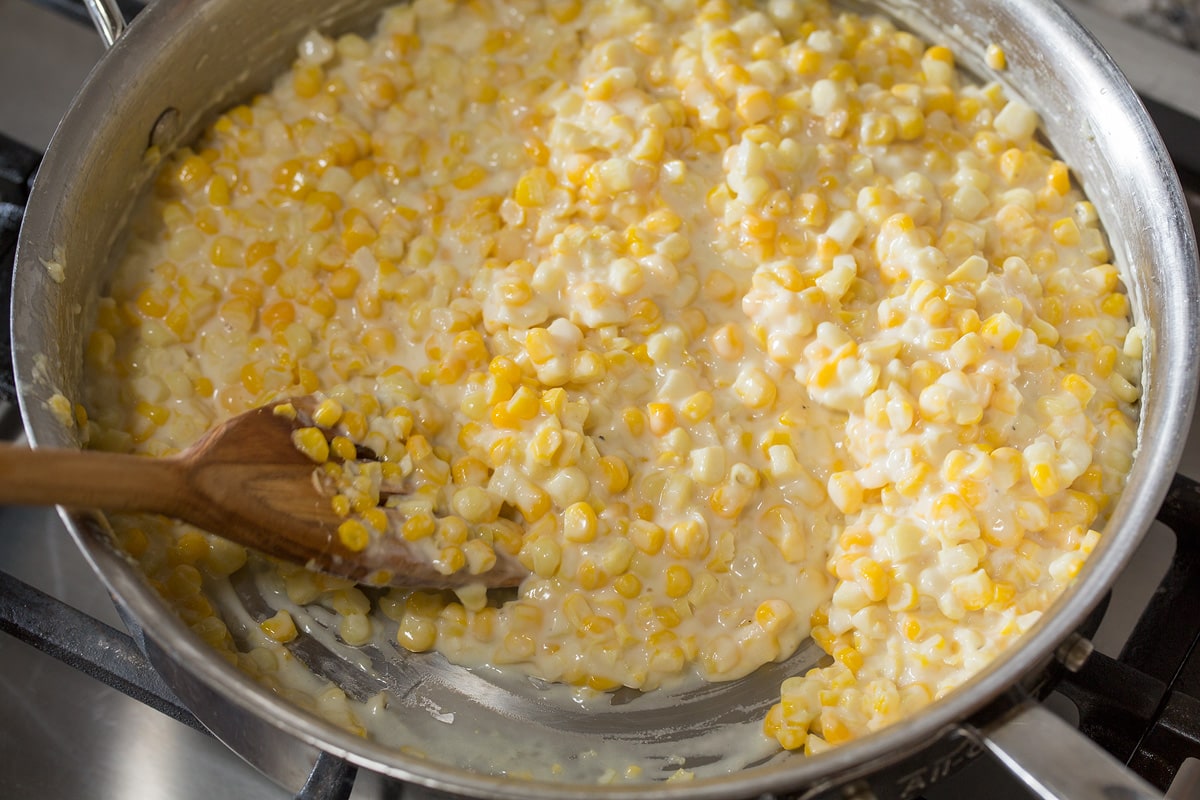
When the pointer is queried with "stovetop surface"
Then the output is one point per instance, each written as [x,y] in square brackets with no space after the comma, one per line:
[68,736]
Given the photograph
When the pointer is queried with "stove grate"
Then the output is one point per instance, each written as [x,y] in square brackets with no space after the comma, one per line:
[112,657]
[1144,706]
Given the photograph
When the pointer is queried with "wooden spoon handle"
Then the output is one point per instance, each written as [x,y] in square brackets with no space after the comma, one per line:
[88,479]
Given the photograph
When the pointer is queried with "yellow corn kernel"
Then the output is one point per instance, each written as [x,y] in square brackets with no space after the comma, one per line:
[755,388]
[661,418]
[754,104]
[343,282]
[376,518]
[416,634]
[1003,593]
[281,627]
[810,209]
[873,578]
[311,442]
[193,172]
[940,53]
[678,581]
[543,556]
[218,191]
[689,539]
[418,526]
[1115,305]
[554,401]
[524,404]
[999,330]
[727,341]
[307,80]
[155,413]
[580,523]
[647,536]
[328,412]
[284,410]
[846,492]
[453,530]
[323,304]
[771,615]
[1079,386]
[449,560]
[501,451]
[697,407]
[1065,232]
[727,501]
[343,448]
[504,369]
[469,177]
[1123,389]
[668,617]
[480,556]
[475,504]
[850,658]
[1059,178]
[353,535]
[628,585]
[1012,161]
[587,367]
[975,591]
[380,342]
[502,417]
[278,315]
[534,187]
[806,61]
[1044,478]
[469,470]
[877,128]
[188,549]
[615,472]
[227,251]
[996,58]
[544,445]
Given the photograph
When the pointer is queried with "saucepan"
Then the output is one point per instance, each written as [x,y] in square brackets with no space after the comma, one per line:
[182,61]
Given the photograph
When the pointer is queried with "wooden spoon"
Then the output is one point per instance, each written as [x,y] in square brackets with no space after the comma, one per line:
[244,481]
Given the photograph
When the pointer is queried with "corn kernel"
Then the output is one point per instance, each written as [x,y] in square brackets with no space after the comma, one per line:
[678,581]
[579,523]
[311,442]
[281,627]
[353,535]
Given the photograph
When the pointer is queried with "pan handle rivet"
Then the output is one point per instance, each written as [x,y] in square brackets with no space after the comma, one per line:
[165,128]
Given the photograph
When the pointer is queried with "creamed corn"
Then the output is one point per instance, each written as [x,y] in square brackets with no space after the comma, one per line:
[734,322]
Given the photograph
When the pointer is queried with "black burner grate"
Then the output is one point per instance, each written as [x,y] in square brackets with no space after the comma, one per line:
[112,657]
[1144,706]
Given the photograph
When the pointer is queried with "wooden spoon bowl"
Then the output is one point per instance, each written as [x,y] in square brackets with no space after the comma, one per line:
[244,481]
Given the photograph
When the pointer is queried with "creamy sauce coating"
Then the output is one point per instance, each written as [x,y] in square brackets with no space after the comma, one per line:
[734,323]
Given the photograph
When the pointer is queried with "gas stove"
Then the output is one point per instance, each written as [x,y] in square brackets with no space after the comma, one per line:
[69,735]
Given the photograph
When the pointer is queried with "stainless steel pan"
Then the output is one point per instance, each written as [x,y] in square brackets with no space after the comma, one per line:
[183,60]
